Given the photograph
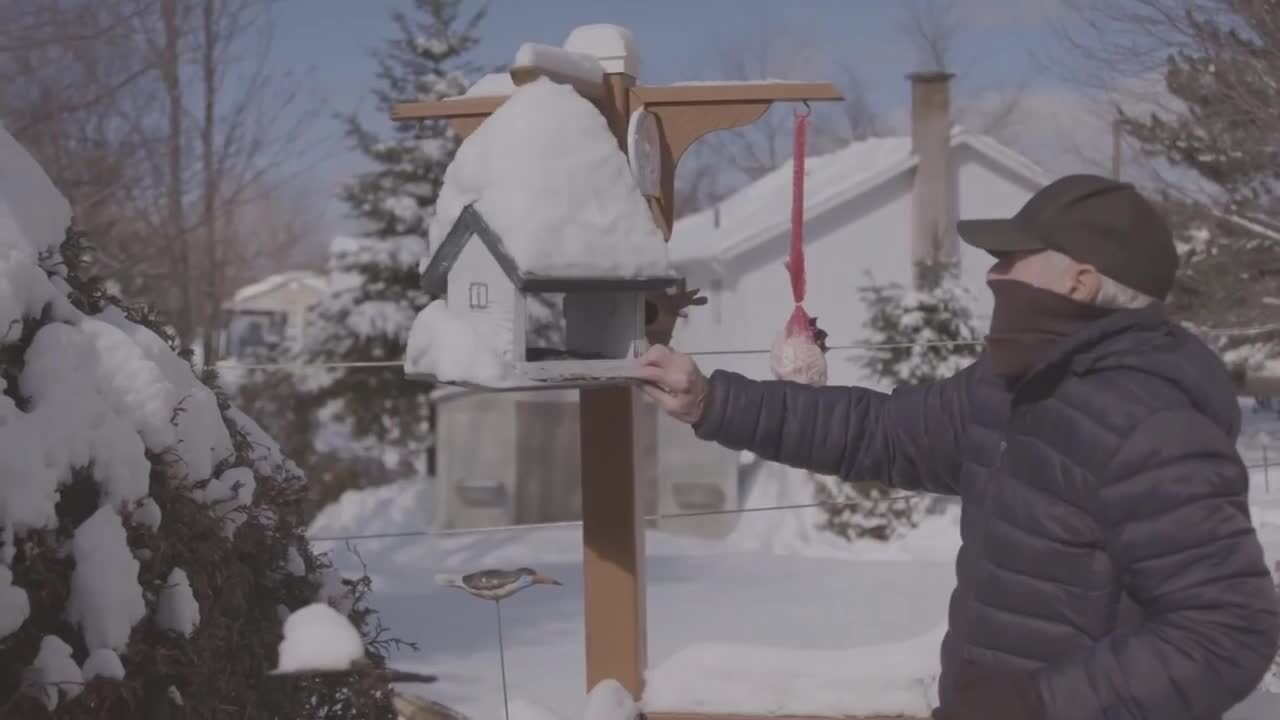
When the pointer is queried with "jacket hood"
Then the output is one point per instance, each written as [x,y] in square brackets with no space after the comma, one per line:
[1148,341]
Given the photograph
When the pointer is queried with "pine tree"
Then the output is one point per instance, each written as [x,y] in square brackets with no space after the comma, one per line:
[932,336]
[1223,72]
[374,283]
[931,333]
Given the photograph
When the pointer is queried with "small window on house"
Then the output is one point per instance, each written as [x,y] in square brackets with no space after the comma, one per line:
[479,296]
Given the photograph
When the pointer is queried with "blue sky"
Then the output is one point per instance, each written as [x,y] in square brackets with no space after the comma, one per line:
[677,39]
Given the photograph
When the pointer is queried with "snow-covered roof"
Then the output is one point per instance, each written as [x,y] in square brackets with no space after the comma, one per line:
[470,224]
[546,174]
[762,210]
[273,282]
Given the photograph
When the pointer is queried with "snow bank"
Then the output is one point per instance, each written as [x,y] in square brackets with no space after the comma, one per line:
[447,347]
[797,531]
[547,174]
[608,700]
[403,506]
[872,680]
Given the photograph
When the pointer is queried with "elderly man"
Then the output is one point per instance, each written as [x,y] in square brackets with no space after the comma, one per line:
[1109,566]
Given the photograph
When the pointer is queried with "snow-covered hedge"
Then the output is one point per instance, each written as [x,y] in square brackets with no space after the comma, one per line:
[150,534]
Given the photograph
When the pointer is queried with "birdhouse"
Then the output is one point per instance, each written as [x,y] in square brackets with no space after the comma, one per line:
[548,331]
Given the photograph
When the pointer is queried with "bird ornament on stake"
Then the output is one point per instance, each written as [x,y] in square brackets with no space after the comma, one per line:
[799,352]
[497,585]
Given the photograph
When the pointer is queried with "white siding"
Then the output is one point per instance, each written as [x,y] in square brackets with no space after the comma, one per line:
[476,266]
[864,241]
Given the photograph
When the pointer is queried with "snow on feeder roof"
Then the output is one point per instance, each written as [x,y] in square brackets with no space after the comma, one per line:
[547,177]
[470,224]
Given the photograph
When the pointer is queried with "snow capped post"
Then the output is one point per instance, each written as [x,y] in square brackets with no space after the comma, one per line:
[652,127]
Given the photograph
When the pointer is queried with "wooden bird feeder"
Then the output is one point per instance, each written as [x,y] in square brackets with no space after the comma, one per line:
[596,330]
[654,126]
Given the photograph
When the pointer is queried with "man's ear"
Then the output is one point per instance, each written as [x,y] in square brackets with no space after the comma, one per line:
[1084,284]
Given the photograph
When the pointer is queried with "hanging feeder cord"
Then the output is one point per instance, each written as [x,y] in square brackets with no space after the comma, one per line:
[795,264]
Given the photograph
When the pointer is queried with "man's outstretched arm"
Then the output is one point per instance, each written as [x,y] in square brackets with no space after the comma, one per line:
[909,438]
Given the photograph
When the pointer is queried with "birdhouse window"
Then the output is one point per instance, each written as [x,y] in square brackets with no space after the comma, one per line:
[479,293]
[567,326]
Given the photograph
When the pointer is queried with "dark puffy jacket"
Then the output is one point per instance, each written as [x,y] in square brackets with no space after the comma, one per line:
[1107,543]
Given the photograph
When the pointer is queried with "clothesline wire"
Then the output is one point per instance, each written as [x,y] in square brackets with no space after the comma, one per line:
[234,365]
[577,523]
[838,504]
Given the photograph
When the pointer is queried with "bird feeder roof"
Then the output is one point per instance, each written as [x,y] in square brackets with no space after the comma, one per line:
[471,224]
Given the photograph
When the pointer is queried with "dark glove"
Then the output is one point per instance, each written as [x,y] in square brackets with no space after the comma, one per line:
[988,694]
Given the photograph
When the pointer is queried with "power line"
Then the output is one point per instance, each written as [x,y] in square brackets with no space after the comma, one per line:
[576,523]
[840,504]
[232,365]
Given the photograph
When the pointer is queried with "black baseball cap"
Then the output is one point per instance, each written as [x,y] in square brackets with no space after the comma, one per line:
[1093,220]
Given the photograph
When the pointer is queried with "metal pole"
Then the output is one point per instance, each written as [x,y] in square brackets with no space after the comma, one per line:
[1266,470]
[502,662]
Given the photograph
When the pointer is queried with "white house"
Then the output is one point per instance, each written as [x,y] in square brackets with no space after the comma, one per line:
[271,311]
[870,209]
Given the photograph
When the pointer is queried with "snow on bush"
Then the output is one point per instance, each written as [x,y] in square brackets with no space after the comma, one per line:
[319,638]
[148,530]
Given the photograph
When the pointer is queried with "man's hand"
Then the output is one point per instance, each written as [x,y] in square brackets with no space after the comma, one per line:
[674,382]
[667,308]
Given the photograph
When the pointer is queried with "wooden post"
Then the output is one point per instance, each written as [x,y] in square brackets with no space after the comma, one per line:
[612,517]
[612,504]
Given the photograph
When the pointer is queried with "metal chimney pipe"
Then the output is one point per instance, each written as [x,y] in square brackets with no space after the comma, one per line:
[933,221]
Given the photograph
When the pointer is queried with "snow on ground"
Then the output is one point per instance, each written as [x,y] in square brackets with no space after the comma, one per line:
[776,617]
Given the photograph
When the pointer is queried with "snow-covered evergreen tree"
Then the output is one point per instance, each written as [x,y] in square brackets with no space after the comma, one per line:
[151,534]
[374,283]
[930,335]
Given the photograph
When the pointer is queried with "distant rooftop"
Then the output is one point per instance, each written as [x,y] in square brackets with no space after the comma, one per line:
[762,209]
[273,282]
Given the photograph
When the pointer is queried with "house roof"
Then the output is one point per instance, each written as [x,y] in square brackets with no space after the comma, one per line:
[273,282]
[471,223]
[762,210]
